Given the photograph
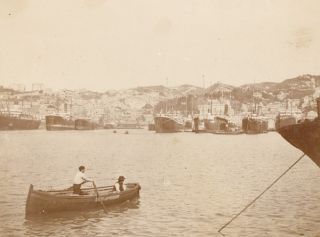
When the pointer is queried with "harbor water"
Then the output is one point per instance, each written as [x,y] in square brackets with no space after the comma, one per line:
[192,184]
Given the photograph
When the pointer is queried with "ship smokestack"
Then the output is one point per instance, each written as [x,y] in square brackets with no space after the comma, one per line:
[318,106]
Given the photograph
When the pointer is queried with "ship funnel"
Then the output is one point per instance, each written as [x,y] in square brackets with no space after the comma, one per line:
[318,106]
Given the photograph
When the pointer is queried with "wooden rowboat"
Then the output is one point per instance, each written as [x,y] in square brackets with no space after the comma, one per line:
[41,202]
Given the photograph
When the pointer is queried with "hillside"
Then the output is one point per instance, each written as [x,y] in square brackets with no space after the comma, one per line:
[179,98]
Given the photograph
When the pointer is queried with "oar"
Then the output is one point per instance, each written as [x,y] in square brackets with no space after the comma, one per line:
[97,193]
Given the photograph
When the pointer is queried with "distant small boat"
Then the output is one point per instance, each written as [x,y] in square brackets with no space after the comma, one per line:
[42,202]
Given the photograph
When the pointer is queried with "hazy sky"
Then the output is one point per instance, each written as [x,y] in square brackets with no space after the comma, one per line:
[113,44]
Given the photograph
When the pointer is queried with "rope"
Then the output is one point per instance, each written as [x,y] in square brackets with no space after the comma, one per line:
[246,207]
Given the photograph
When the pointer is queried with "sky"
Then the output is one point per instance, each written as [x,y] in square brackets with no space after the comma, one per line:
[116,44]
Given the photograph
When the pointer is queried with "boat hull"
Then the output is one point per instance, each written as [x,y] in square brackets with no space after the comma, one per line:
[45,202]
[15,123]
[167,125]
[304,136]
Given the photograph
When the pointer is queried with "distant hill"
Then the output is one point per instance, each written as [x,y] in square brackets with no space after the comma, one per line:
[218,88]
[300,82]
[259,86]
[186,97]
[293,88]
[188,89]
[174,91]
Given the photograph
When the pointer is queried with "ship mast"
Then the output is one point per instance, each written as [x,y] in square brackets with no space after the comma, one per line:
[221,102]
[211,109]
[7,102]
[4,105]
[253,101]
[318,106]
[186,105]
[71,106]
[203,85]
[167,98]
[192,106]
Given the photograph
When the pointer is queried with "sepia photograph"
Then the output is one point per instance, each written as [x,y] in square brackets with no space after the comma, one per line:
[156,118]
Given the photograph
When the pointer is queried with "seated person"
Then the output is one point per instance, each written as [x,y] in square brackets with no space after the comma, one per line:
[80,179]
[120,186]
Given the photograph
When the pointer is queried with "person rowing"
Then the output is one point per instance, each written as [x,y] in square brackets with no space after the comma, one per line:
[80,179]
[120,186]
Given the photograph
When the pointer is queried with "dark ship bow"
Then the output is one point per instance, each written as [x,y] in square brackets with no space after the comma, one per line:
[305,136]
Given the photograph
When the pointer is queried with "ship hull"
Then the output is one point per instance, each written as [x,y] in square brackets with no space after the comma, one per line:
[254,126]
[109,126]
[167,125]
[221,126]
[83,124]
[58,123]
[151,127]
[304,136]
[12,123]
[210,125]
[284,121]
[57,127]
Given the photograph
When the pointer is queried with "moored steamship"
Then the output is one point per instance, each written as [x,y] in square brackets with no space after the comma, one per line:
[254,125]
[85,124]
[221,125]
[18,121]
[57,122]
[283,120]
[168,124]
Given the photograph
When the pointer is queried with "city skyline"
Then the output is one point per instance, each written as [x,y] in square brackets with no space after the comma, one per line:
[103,45]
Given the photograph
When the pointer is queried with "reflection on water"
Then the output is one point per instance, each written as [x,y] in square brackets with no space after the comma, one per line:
[192,184]
[111,211]
[76,219]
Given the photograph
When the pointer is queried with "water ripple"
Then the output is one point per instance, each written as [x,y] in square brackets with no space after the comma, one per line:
[191,184]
